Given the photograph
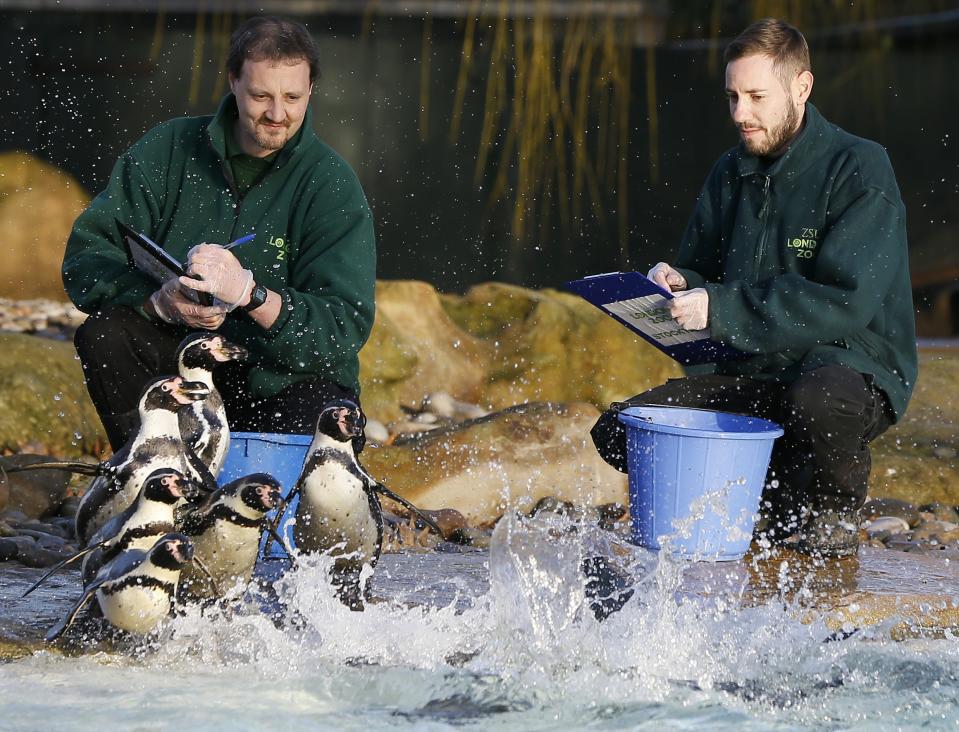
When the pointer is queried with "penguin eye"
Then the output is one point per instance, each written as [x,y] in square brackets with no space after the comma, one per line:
[166,386]
[205,345]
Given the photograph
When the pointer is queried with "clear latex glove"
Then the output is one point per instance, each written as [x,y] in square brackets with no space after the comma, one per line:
[691,309]
[215,270]
[667,277]
[173,306]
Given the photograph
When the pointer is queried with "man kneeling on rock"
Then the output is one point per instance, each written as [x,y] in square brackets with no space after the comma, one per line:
[795,255]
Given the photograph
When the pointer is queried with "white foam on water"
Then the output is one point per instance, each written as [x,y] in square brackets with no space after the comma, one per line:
[441,649]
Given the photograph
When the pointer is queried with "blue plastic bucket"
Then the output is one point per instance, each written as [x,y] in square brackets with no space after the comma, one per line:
[695,478]
[279,455]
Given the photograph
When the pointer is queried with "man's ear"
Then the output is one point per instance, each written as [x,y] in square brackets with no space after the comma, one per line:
[802,86]
[233,81]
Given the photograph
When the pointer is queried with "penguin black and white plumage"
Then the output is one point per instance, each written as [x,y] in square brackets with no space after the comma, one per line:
[226,531]
[146,520]
[204,425]
[339,512]
[157,444]
[135,591]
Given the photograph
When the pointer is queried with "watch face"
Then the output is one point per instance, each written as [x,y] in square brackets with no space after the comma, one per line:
[257,297]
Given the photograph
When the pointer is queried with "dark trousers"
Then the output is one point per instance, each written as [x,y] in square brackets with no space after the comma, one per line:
[120,352]
[829,416]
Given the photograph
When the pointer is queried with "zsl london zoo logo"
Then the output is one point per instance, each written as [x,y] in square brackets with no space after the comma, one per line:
[282,246]
[804,246]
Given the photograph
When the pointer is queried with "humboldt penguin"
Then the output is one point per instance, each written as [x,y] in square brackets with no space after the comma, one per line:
[147,519]
[136,590]
[157,444]
[203,425]
[226,531]
[339,512]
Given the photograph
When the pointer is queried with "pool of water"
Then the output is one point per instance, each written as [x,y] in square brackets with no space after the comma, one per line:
[496,640]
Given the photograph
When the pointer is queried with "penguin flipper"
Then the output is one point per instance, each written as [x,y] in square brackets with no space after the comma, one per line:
[207,481]
[60,628]
[60,565]
[72,466]
[380,488]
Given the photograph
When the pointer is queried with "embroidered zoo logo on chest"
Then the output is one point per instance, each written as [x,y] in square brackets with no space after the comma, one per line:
[804,246]
[282,247]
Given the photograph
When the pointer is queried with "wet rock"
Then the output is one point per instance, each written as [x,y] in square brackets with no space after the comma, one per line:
[47,541]
[28,552]
[509,459]
[13,518]
[551,504]
[65,525]
[940,532]
[610,514]
[885,526]
[68,509]
[6,530]
[376,431]
[944,452]
[34,493]
[472,536]
[448,519]
[38,204]
[47,403]
[891,508]
[901,544]
[941,512]
[44,527]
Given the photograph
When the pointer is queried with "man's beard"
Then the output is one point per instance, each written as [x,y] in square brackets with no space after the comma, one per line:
[268,141]
[776,138]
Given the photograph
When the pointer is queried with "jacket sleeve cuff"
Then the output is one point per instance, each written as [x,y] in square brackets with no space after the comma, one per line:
[286,311]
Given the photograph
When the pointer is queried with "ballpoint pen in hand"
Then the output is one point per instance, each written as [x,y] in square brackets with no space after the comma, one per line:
[241,240]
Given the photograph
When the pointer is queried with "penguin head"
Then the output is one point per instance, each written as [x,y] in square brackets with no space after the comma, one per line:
[169,486]
[260,491]
[206,350]
[342,420]
[170,393]
[172,551]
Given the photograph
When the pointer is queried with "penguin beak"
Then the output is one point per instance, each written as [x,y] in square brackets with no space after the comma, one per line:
[351,423]
[230,352]
[182,551]
[190,490]
[191,391]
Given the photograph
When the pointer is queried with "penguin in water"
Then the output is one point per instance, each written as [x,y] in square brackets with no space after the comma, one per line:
[136,590]
[157,444]
[203,425]
[226,531]
[147,519]
[339,512]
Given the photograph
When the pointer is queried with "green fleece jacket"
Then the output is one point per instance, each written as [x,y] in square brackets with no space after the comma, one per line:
[314,242]
[805,261]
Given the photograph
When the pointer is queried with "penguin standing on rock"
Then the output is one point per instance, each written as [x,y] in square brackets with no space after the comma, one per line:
[203,426]
[339,512]
[226,531]
[157,444]
[136,590]
[146,520]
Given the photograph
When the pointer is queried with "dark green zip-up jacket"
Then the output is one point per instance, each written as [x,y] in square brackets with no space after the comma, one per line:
[314,242]
[805,261]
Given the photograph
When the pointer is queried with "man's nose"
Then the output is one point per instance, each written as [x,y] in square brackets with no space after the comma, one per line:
[275,111]
[739,111]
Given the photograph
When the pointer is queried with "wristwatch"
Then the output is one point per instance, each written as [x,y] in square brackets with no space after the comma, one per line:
[257,298]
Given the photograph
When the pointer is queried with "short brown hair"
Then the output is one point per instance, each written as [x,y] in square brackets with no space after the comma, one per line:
[277,39]
[777,39]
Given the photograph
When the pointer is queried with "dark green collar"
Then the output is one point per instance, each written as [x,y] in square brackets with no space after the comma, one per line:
[221,125]
[797,157]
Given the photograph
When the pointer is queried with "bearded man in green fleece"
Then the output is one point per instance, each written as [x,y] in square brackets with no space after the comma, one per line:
[796,255]
[299,296]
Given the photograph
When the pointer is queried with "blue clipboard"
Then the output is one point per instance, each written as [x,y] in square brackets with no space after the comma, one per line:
[636,301]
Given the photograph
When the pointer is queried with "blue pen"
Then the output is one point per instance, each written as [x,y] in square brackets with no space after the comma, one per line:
[241,240]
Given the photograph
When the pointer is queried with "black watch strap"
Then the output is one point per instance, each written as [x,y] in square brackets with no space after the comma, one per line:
[257,298]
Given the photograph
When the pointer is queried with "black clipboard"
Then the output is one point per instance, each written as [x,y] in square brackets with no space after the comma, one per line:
[152,259]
